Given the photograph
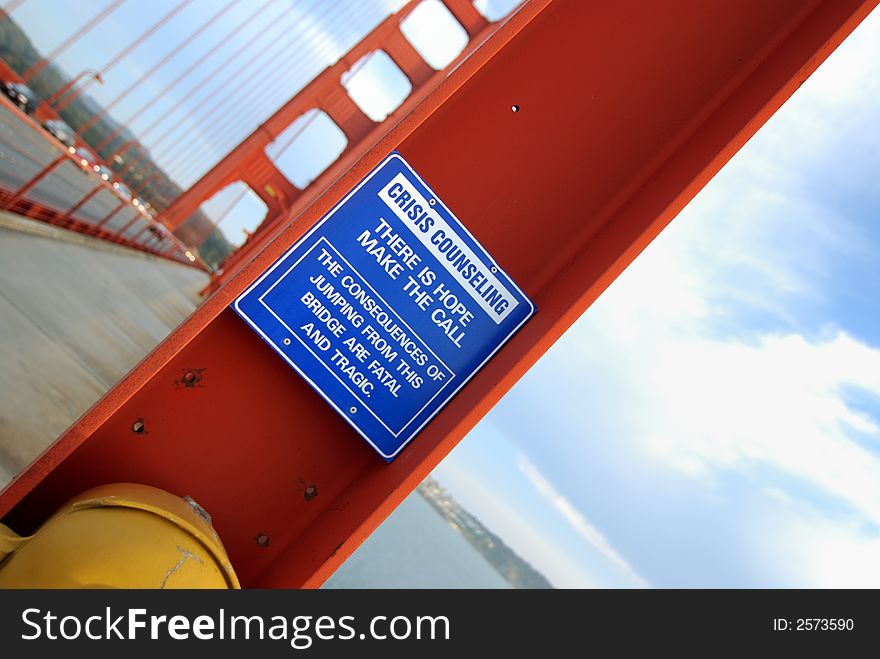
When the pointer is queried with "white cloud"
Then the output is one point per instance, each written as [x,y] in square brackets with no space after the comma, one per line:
[708,368]
[751,243]
[716,404]
[503,518]
[809,550]
[575,519]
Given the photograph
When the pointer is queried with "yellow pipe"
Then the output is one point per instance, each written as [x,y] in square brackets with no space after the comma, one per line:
[119,536]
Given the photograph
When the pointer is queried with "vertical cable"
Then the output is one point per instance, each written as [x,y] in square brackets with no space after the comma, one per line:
[43,63]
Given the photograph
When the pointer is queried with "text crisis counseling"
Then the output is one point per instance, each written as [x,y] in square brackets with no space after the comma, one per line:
[452,252]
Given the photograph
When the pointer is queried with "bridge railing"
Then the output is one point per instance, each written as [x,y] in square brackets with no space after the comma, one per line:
[44,182]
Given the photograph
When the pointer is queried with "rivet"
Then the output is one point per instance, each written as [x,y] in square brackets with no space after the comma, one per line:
[262,540]
[310,492]
[515,108]
[352,409]
[138,426]
[286,342]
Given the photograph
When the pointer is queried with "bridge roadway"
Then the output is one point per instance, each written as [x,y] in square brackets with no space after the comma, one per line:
[76,313]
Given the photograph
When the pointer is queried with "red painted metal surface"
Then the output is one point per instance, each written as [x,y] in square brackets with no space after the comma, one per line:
[626,110]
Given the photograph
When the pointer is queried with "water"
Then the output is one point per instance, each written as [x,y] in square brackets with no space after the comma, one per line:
[416,548]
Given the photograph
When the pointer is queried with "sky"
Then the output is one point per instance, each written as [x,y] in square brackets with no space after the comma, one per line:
[713,420]
[192,100]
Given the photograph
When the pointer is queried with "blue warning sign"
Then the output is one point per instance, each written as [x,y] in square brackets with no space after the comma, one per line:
[387,307]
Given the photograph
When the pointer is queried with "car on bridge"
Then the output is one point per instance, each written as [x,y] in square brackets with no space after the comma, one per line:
[61,132]
[122,190]
[21,95]
[86,159]
[103,171]
[159,231]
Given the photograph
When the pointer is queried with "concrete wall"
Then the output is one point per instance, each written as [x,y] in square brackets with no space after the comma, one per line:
[75,315]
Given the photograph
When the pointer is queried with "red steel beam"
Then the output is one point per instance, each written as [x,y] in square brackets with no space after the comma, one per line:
[627,109]
[467,15]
